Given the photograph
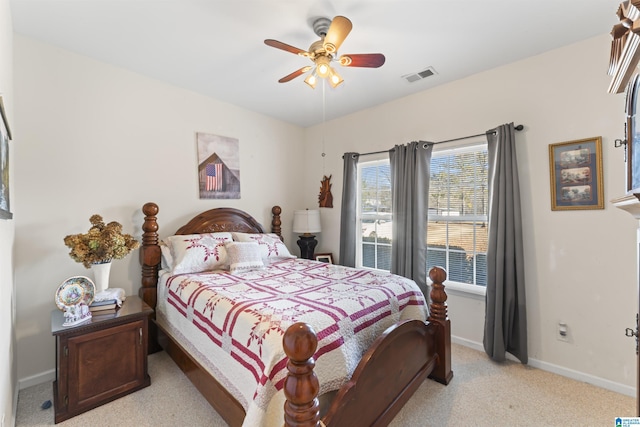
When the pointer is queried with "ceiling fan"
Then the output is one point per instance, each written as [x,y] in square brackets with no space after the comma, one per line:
[324,51]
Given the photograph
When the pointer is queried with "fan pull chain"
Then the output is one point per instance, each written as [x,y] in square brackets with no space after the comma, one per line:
[324,125]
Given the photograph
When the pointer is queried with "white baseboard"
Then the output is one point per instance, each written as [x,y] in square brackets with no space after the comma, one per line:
[581,376]
[43,377]
[559,370]
[467,343]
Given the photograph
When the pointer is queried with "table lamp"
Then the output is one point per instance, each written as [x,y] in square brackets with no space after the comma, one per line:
[306,222]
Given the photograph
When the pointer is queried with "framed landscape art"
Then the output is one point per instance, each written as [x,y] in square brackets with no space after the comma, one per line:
[5,136]
[576,174]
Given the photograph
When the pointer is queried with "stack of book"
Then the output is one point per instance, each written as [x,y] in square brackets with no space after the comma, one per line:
[105,307]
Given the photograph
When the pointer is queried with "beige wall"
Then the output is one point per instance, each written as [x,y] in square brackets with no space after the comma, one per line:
[92,138]
[8,369]
[580,264]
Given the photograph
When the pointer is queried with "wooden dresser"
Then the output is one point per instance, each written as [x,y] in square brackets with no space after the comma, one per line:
[100,360]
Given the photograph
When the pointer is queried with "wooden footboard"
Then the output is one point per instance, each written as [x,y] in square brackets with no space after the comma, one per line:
[386,377]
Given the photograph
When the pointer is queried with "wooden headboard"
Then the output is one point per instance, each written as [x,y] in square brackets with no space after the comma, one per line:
[213,220]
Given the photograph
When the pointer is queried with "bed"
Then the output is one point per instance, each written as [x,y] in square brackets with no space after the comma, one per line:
[366,375]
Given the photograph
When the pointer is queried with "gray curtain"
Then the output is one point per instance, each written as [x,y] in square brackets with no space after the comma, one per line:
[348,213]
[505,328]
[410,171]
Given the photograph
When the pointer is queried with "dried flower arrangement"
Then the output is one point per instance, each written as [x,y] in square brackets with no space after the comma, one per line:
[101,244]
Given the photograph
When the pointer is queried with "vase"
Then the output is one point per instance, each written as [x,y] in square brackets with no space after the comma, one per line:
[101,275]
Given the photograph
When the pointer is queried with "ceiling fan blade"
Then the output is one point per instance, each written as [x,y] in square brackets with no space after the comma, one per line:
[295,74]
[338,31]
[369,60]
[285,47]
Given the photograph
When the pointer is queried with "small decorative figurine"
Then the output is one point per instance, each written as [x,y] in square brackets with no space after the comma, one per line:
[75,314]
[325,198]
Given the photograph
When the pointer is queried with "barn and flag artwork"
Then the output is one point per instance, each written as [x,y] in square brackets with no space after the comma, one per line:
[218,166]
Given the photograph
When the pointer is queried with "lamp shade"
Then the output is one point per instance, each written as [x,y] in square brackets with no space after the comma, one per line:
[311,80]
[334,78]
[322,66]
[306,221]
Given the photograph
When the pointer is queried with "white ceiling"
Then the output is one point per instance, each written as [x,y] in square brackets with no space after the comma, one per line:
[215,47]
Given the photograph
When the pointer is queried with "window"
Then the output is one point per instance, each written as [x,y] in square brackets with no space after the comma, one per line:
[374,215]
[457,229]
[457,218]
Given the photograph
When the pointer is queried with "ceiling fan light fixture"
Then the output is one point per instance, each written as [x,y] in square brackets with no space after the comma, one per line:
[334,78]
[323,70]
[312,80]
[322,66]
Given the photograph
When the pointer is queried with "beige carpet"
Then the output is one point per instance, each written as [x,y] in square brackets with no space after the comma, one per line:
[482,393]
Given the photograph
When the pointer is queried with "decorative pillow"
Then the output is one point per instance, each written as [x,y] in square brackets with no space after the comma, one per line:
[193,253]
[271,246]
[244,256]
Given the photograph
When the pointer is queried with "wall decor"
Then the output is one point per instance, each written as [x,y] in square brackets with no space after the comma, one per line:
[325,199]
[328,258]
[5,136]
[576,174]
[218,166]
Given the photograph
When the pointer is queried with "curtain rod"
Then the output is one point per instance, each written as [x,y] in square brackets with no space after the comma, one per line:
[518,127]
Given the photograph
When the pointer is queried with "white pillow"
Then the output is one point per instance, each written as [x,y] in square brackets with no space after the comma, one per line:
[193,253]
[271,246]
[167,258]
[244,256]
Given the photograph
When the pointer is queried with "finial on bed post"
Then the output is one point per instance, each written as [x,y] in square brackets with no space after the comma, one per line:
[149,254]
[301,385]
[438,315]
[438,306]
[275,221]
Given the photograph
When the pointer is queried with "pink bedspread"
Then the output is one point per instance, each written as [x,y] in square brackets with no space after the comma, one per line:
[235,323]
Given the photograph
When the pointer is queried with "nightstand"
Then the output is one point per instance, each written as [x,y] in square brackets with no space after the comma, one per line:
[100,360]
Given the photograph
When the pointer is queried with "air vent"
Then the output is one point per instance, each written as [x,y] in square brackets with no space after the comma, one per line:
[414,77]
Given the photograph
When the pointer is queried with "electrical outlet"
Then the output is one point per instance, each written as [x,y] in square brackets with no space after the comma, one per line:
[563,332]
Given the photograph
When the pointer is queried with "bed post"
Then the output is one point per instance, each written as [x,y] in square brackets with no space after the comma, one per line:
[149,254]
[150,259]
[275,221]
[301,386]
[438,315]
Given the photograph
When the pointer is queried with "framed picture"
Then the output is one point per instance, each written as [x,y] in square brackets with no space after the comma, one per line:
[5,136]
[218,166]
[328,258]
[576,174]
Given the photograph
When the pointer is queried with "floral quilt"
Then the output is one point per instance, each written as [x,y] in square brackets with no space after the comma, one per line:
[234,323]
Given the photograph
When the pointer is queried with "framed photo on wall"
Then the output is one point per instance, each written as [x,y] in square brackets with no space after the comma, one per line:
[5,136]
[576,174]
